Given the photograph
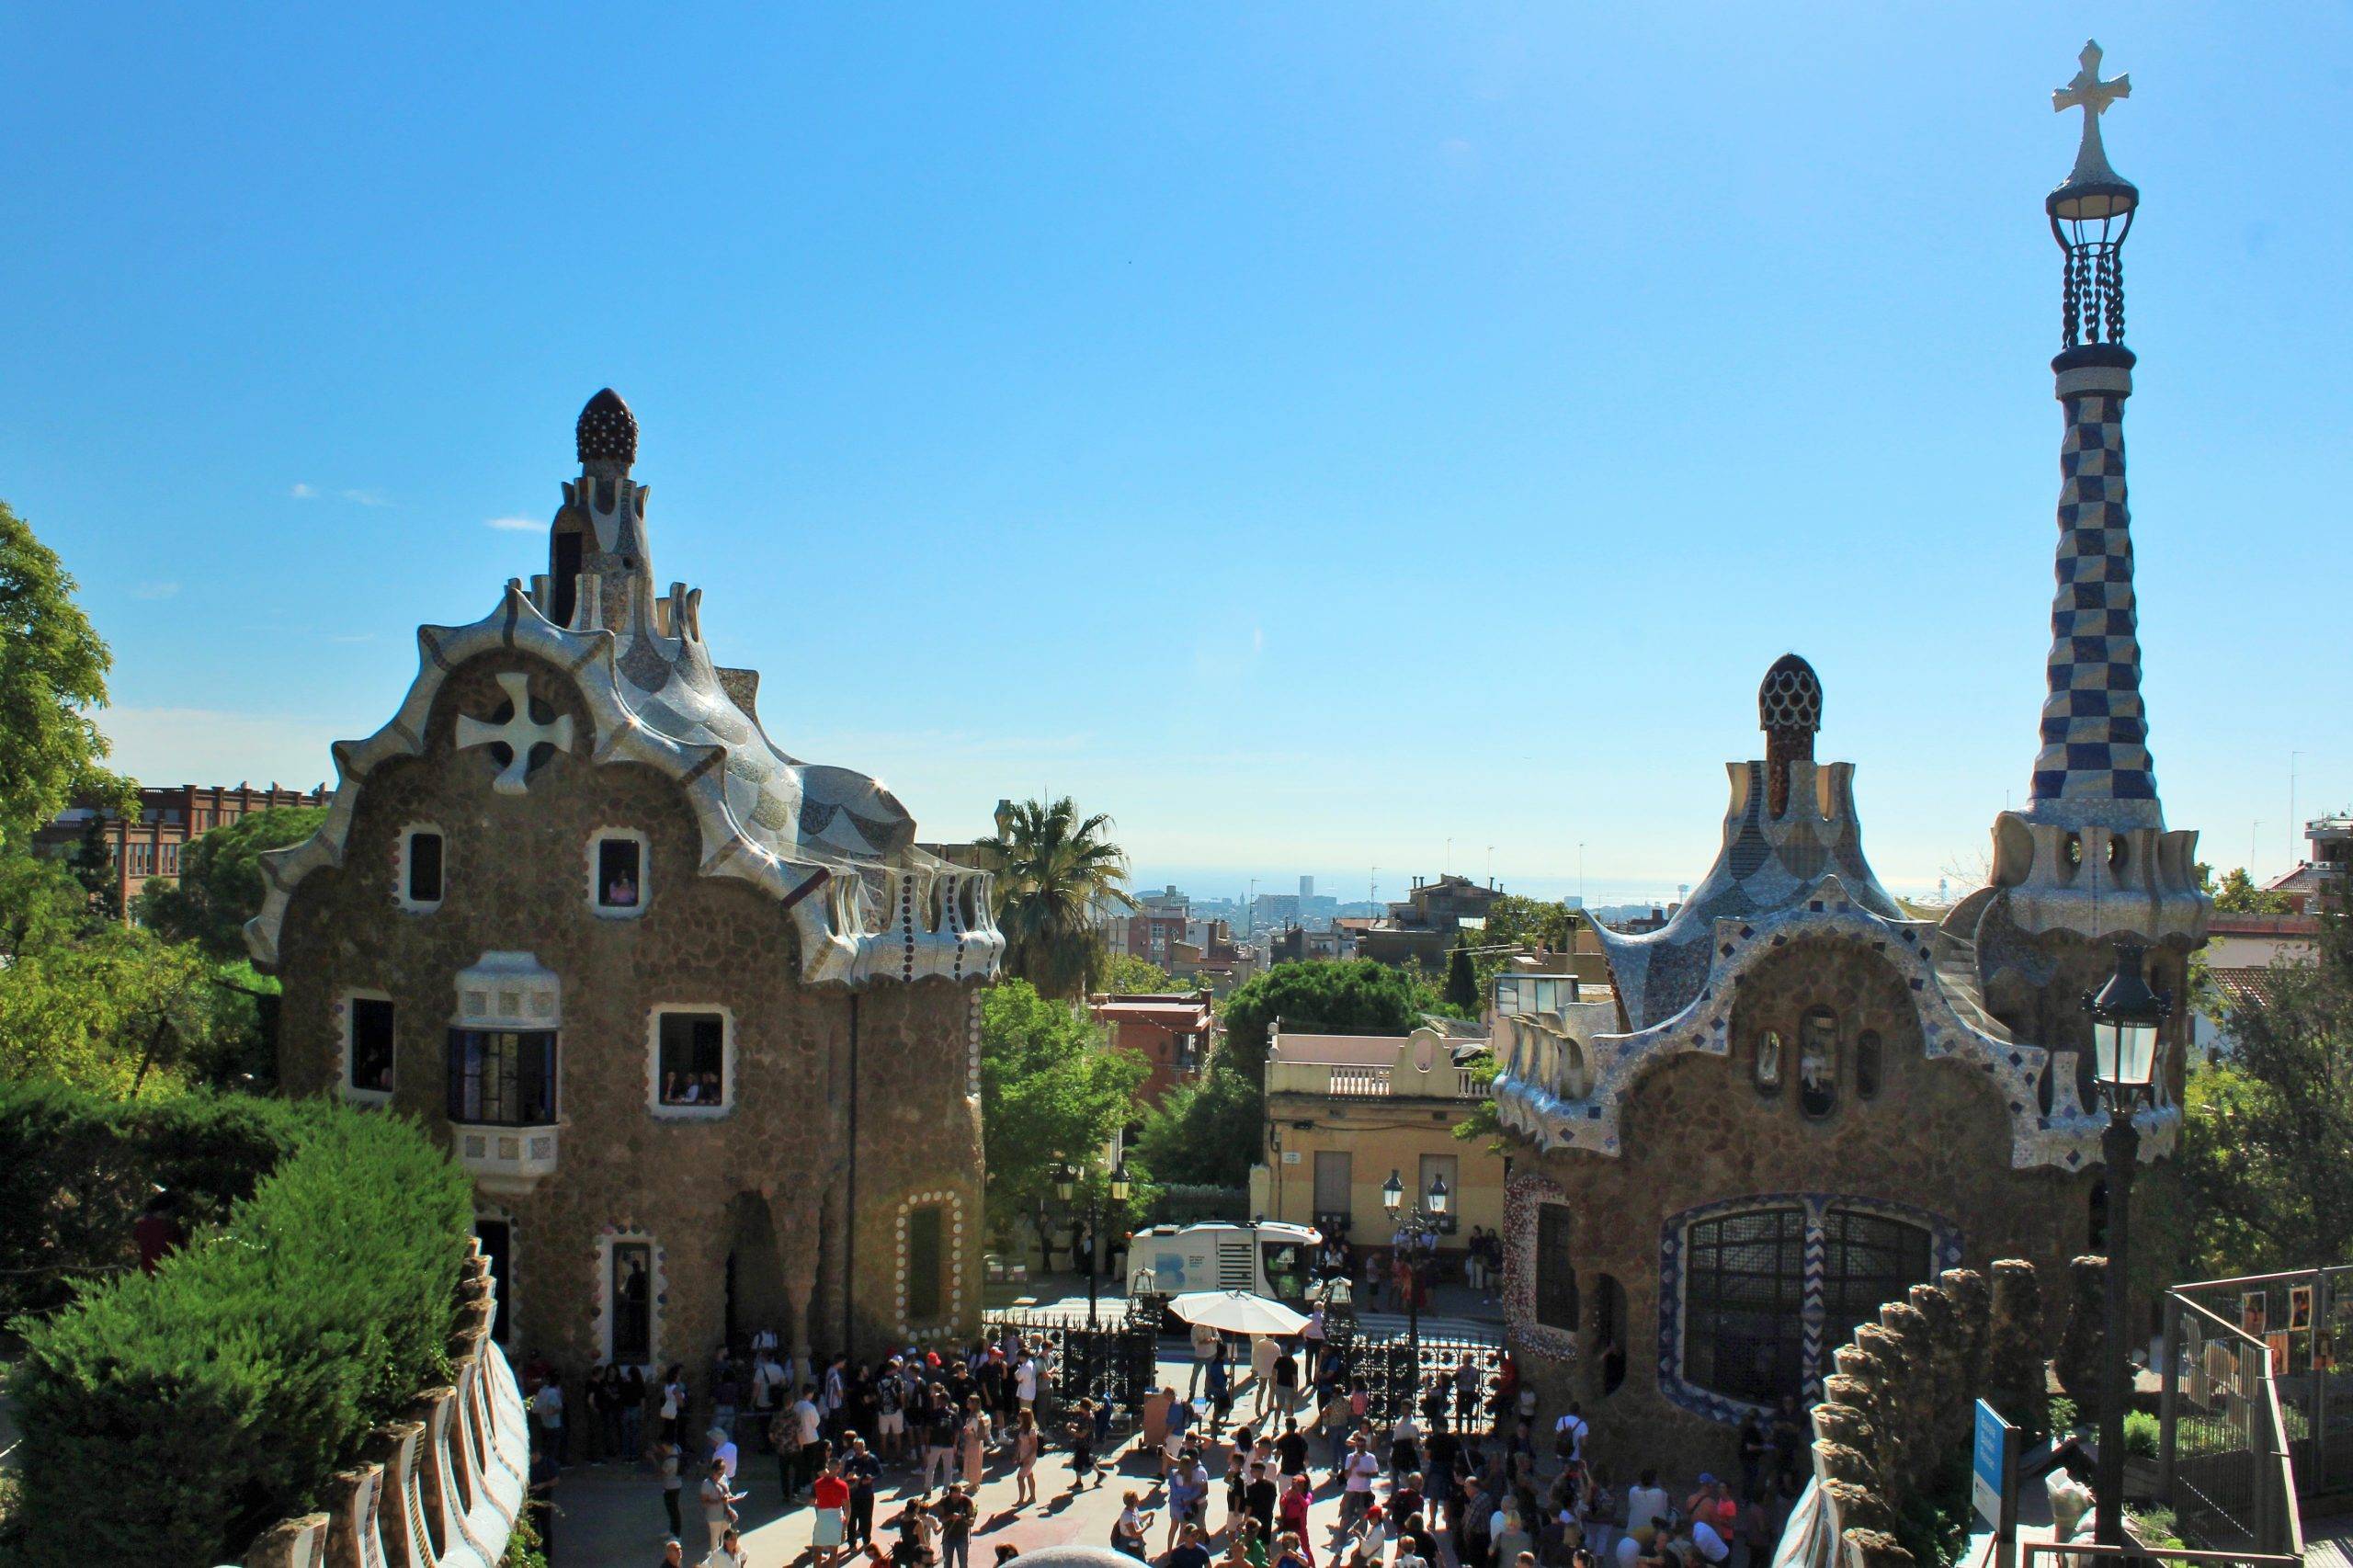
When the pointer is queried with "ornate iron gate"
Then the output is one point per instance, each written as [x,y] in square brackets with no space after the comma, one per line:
[1114,1361]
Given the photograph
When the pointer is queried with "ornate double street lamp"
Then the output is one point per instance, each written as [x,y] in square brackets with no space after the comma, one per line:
[1414,1238]
[1067,1177]
[2126,1016]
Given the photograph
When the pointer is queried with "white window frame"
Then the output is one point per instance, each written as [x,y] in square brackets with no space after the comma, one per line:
[596,905]
[400,868]
[656,1287]
[726,1106]
[347,1047]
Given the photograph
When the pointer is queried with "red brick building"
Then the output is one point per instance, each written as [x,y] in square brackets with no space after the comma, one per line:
[1170,1031]
[149,848]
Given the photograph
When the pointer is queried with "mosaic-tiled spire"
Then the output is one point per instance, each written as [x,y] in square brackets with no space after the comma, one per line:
[2094,765]
[2090,853]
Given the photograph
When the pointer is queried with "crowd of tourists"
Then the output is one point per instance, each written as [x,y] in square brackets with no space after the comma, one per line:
[1463,1479]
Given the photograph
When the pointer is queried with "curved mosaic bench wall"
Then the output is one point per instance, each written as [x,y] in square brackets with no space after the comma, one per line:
[438,1489]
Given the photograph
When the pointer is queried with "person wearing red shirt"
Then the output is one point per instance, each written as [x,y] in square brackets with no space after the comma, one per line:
[831,1497]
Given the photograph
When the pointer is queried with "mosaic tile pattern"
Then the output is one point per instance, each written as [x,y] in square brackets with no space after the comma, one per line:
[2095,733]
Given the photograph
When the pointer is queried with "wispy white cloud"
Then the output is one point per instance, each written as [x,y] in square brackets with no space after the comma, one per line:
[352,637]
[155,590]
[304,492]
[517,524]
[366,497]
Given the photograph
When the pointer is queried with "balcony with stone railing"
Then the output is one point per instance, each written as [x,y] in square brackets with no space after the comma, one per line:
[1352,1081]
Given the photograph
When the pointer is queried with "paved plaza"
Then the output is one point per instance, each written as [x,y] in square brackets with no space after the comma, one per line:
[612,1514]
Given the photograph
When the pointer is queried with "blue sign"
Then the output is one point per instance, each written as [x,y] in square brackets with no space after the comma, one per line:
[1992,1443]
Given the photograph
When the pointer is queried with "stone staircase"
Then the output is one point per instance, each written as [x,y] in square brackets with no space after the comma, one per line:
[1956,962]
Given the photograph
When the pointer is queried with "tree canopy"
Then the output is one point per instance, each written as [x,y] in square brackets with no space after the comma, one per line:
[1355,997]
[220,887]
[2267,1153]
[2238,894]
[53,674]
[1209,1132]
[1050,1091]
[1125,974]
[1054,868]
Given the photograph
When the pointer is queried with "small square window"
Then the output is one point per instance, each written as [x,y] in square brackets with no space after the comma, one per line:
[370,1059]
[690,1072]
[616,873]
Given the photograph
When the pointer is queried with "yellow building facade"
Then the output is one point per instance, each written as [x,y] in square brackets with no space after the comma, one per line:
[1346,1111]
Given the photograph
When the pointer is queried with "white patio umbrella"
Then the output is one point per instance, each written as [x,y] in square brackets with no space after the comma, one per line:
[1237,1312]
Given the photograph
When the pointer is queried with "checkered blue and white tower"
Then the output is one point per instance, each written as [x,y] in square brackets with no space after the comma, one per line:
[2090,852]
[2094,765]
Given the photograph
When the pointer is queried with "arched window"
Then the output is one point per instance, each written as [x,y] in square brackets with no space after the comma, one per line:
[1818,1061]
[1768,1061]
[1867,1064]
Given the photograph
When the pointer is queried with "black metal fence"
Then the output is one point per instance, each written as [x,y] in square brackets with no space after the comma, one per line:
[1395,1377]
[1113,1362]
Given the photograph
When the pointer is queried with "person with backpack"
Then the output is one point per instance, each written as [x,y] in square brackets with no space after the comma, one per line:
[942,1422]
[1568,1434]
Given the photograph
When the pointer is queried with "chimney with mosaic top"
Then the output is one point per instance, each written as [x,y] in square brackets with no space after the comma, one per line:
[2090,852]
[596,545]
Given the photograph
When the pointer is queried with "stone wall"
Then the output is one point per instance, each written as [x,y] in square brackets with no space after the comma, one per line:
[1901,1405]
[1934,1143]
[816,1226]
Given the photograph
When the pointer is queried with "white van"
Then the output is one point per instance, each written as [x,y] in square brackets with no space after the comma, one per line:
[1265,1258]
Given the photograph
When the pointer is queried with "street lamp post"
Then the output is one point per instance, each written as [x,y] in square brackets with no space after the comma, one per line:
[1066,1180]
[1415,1234]
[2126,1016]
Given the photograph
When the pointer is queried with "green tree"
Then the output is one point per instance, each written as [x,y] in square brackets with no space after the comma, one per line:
[116,1010]
[1126,974]
[53,674]
[1528,922]
[1355,997]
[2237,893]
[220,887]
[42,903]
[93,866]
[1461,979]
[2267,1153]
[1204,1132]
[1054,868]
[1210,1132]
[1050,1091]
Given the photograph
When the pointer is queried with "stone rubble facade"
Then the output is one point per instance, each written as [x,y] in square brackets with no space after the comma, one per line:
[575,828]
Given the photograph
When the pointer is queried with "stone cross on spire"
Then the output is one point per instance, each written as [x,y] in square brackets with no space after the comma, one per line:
[2088,92]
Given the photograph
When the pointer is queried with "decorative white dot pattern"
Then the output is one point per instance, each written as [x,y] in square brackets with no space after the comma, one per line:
[953,1203]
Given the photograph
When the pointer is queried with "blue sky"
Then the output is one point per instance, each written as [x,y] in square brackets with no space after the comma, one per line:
[1308,433]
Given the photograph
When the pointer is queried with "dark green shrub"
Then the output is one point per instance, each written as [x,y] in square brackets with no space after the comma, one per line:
[75,1167]
[171,1415]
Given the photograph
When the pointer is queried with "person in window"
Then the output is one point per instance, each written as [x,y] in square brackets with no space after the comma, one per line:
[671,1090]
[621,892]
[711,1094]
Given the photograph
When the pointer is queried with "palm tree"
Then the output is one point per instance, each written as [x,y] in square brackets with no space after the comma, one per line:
[1053,870]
